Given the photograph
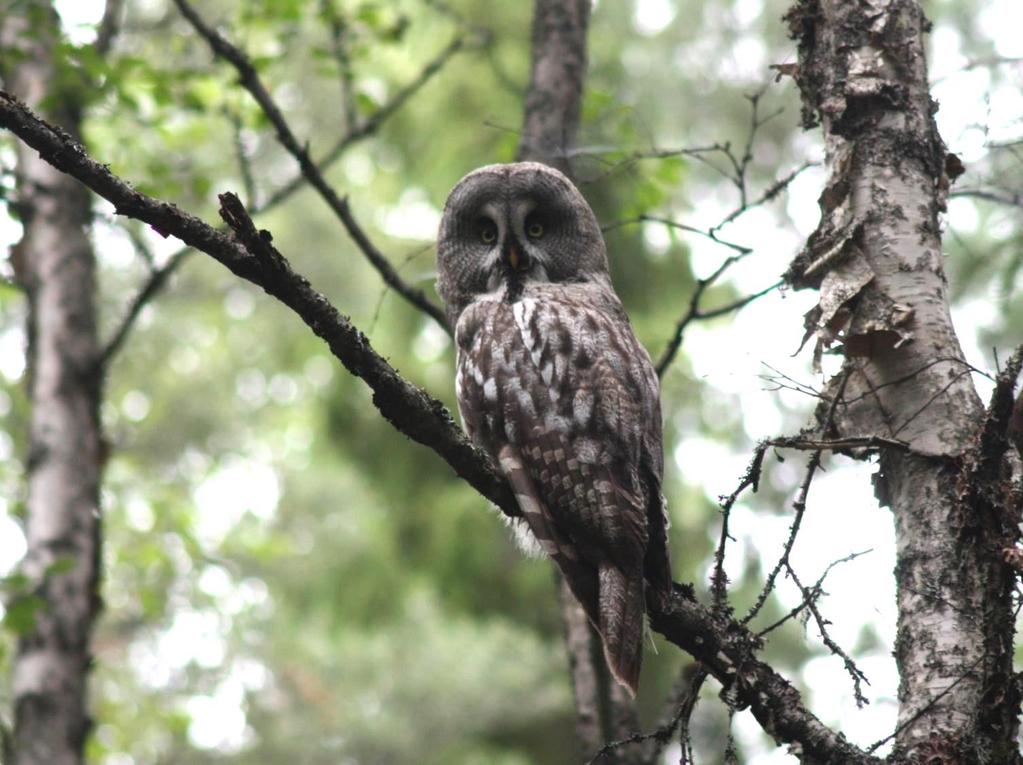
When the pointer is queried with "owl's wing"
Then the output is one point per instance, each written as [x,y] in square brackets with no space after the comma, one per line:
[557,387]
[607,420]
[601,454]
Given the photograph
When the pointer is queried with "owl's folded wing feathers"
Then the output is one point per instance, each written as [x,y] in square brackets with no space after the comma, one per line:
[559,390]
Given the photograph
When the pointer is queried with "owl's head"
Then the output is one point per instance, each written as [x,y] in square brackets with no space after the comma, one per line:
[506,225]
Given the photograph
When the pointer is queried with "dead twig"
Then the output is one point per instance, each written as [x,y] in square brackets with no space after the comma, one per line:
[800,507]
[810,599]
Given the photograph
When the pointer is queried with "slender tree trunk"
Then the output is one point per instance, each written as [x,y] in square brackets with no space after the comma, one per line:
[551,117]
[55,266]
[877,260]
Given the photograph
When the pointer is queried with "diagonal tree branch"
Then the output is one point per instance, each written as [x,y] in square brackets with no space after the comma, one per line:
[249,79]
[375,120]
[159,277]
[726,648]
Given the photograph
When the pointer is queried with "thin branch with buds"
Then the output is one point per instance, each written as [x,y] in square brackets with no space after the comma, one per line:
[815,591]
[799,505]
[810,598]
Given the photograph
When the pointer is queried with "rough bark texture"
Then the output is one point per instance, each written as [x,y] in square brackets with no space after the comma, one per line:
[555,92]
[54,263]
[876,258]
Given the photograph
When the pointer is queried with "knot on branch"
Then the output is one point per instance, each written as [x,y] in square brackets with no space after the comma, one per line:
[258,242]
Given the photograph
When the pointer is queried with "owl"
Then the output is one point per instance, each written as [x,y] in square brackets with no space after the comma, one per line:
[553,384]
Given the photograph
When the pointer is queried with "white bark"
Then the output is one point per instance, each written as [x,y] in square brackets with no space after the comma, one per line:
[55,266]
[877,259]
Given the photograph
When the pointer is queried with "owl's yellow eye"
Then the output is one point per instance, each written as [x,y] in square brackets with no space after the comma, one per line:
[488,234]
[534,230]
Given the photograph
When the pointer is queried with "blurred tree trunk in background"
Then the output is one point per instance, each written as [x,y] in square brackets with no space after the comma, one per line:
[54,265]
[550,123]
[877,260]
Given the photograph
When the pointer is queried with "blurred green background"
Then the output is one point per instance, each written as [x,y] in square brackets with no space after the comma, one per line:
[286,578]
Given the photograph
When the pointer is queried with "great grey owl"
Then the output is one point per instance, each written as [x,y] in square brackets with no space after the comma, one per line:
[552,382]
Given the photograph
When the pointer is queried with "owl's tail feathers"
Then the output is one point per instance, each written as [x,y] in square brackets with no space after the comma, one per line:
[621,608]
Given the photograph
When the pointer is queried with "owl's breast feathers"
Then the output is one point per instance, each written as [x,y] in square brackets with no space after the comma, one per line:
[556,387]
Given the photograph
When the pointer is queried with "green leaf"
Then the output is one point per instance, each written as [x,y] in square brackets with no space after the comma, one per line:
[20,617]
[365,103]
[61,565]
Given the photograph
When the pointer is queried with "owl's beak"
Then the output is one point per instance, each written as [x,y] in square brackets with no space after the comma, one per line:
[514,256]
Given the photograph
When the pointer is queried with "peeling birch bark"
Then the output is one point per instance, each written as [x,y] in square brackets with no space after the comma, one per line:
[876,259]
[55,265]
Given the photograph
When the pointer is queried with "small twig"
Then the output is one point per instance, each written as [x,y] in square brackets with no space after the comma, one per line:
[910,375]
[373,122]
[793,383]
[816,588]
[941,392]
[696,314]
[799,505]
[719,580]
[810,598]
[242,158]
[685,696]
[978,63]
[1014,199]
[339,49]
[766,196]
[157,279]
[371,327]
[633,157]
[645,218]
[838,444]
[928,706]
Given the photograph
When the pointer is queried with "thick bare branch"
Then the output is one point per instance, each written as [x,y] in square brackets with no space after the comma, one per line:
[408,408]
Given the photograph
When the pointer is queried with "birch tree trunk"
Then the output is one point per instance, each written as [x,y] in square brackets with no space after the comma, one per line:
[876,258]
[55,266]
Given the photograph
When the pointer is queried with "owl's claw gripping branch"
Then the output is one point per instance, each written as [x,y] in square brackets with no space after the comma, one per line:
[723,645]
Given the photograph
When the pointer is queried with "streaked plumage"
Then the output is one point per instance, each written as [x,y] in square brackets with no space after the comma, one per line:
[552,382]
